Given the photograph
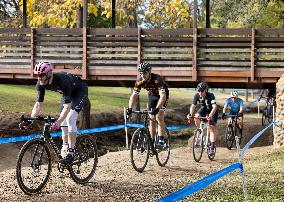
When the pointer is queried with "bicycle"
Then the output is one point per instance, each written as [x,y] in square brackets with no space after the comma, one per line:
[143,146]
[33,167]
[267,113]
[232,130]
[201,141]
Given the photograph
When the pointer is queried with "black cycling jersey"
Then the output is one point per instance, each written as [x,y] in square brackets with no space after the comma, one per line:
[271,93]
[65,83]
[154,85]
[206,102]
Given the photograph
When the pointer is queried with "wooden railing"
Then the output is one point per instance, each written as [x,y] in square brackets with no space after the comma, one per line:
[180,55]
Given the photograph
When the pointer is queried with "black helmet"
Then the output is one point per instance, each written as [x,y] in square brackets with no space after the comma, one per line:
[144,67]
[202,86]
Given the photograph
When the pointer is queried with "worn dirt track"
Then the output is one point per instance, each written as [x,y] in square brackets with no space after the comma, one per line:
[116,180]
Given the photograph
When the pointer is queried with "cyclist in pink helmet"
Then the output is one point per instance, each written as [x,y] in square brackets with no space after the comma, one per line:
[75,94]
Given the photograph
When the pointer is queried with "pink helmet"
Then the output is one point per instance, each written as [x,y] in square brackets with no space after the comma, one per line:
[43,67]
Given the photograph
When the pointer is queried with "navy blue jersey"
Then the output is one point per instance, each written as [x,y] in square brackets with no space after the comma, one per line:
[205,102]
[64,83]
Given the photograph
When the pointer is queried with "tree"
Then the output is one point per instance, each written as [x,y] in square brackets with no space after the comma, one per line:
[56,13]
[9,13]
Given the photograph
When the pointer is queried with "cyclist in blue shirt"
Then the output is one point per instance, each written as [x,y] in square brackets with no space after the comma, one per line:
[236,107]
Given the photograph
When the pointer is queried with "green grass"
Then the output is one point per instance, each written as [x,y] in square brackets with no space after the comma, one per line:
[21,98]
[264,176]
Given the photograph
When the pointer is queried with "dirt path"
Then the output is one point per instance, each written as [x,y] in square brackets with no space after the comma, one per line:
[116,180]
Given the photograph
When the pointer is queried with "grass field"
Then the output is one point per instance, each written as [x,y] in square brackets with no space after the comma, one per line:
[21,98]
[264,177]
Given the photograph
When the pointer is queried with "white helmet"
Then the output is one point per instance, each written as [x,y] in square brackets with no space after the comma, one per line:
[234,93]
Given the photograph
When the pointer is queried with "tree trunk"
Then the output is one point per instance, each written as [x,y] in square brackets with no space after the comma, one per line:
[84,116]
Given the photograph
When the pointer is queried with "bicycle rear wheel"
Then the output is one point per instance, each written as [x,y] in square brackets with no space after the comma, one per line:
[139,149]
[197,146]
[85,160]
[229,136]
[33,166]
[163,155]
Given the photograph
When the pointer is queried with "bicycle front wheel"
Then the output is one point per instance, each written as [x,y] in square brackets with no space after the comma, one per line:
[197,146]
[139,149]
[163,155]
[229,136]
[33,166]
[83,167]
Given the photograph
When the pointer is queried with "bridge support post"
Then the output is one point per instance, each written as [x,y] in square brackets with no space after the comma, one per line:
[252,55]
[32,52]
[194,43]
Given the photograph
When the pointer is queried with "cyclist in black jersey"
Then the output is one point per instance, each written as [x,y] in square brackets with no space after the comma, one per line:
[158,95]
[75,93]
[208,109]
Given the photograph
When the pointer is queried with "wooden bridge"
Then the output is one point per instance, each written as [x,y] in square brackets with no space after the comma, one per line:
[252,58]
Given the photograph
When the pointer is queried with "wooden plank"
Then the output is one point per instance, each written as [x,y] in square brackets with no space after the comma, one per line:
[223,56]
[104,55]
[270,57]
[112,39]
[117,49]
[224,39]
[15,43]
[224,45]
[113,31]
[224,74]
[269,45]
[117,44]
[268,73]
[58,49]
[213,31]
[228,63]
[270,63]
[58,38]
[224,69]
[57,43]
[14,60]
[70,31]
[16,54]
[270,50]
[58,54]
[270,31]
[187,56]
[62,61]
[187,50]
[15,38]
[161,32]
[224,50]
[158,44]
[93,61]
[169,39]
[14,70]
[270,39]
[18,49]
[14,31]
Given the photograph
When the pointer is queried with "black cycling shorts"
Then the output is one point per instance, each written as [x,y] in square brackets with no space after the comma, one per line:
[153,101]
[202,111]
[78,99]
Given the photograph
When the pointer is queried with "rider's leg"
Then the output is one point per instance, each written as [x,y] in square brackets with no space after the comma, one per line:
[197,121]
[65,144]
[161,123]
[241,123]
[71,120]
[152,126]
[212,130]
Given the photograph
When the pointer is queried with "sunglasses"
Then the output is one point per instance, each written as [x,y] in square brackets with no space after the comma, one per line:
[234,98]
[201,91]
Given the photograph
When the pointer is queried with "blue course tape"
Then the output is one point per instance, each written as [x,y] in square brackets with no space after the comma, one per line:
[251,103]
[80,132]
[255,137]
[170,128]
[200,184]
[58,134]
